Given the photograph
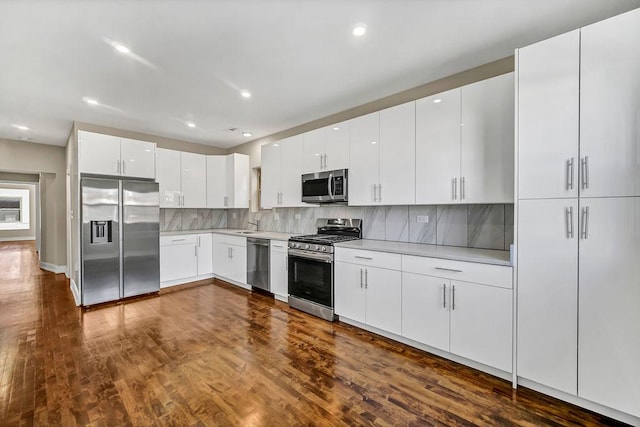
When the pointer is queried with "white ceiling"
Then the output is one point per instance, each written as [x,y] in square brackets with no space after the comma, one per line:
[298,58]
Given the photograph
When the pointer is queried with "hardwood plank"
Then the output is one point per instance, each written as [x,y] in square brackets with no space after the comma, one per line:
[210,353]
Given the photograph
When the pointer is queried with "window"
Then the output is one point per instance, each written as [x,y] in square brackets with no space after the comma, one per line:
[14,209]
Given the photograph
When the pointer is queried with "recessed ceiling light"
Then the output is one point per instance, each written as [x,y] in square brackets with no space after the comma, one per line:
[91,101]
[122,48]
[374,142]
[359,30]
[336,128]
[245,94]
[21,127]
[275,145]
[247,134]
[437,101]
[191,124]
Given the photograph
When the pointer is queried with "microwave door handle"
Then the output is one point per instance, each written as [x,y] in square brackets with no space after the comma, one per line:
[329,185]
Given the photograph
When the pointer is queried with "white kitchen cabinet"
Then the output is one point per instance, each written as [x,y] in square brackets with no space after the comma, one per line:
[182,179]
[368,294]
[438,147]
[487,132]
[230,258]
[205,254]
[178,258]
[228,179]
[481,326]
[425,309]
[326,148]
[381,152]
[548,117]
[278,269]
[111,155]
[548,292]
[193,176]
[281,173]
[609,293]
[610,107]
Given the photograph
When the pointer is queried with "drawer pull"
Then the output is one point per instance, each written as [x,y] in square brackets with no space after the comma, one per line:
[449,269]
[178,240]
[364,257]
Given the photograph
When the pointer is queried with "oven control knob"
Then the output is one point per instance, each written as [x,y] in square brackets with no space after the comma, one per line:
[317,248]
[306,246]
[323,249]
[298,245]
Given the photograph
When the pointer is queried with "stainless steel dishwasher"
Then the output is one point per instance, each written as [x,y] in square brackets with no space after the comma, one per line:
[258,263]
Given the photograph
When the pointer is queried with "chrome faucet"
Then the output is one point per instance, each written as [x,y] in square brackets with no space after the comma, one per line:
[257,224]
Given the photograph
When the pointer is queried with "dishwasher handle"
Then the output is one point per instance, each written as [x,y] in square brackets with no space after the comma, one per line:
[257,242]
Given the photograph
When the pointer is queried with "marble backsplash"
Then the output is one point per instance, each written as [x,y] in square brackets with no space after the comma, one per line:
[473,226]
[192,219]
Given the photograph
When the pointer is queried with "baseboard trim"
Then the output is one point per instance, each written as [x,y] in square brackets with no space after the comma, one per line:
[74,290]
[16,239]
[58,269]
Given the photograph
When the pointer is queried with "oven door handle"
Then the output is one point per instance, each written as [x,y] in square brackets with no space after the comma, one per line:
[329,185]
[293,253]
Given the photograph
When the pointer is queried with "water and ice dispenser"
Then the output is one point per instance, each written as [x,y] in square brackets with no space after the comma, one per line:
[101,232]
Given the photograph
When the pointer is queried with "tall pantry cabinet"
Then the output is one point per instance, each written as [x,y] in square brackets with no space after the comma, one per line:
[579,213]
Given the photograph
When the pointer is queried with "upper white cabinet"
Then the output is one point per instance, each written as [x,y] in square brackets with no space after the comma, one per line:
[464,144]
[381,157]
[281,173]
[548,117]
[112,155]
[182,178]
[326,148]
[228,181]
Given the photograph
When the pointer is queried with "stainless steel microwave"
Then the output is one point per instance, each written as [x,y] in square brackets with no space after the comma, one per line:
[325,187]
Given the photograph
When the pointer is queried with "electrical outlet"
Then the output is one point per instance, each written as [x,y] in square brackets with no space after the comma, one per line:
[423,218]
[296,216]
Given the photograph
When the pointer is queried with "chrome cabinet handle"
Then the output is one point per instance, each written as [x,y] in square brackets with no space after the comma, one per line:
[198,240]
[585,222]
[124,167]
[361,280]
[118,167]
[453,297]
[225,200]
[585,173]
[196,248]
[569,218]
[231,251]
[363,257]
[454,183]
[444,295]
[462,188]
[380,192]
[570,174]
[366,278]
[325,161]
[177,240]
[375,194]
[449,269]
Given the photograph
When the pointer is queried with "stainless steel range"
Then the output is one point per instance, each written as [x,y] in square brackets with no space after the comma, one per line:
[311,265]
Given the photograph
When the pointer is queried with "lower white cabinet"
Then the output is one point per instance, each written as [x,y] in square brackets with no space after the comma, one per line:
[205,253]
[178,258]
[230,258]
[278,273]
[367,294]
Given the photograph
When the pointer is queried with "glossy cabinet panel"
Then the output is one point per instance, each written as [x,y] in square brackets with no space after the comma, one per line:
[138,158]
[217,182]
[364,158]
[194,180]
[98,153]
[169,178]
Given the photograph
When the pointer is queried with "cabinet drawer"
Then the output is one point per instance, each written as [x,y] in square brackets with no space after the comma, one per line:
[230,240]
[180,239]
[487,274]
[279,246]
[372,258]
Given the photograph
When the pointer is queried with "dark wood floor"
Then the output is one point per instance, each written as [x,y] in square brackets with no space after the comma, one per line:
[218,355]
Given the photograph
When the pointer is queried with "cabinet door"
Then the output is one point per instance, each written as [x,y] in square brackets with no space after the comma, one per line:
[364,138]
[221,259]
[278,269]
[349,291]
[98,153]
[610,106]
[205,253]
[481,323]
[397,155]
[548,117]
[609,318]
[194,180]
[438,147]
[238,263]
[313,150]
[178,262]
[168,177]
[383,302]
[425,309]
[548,292]
[336,146]
[486,162]
[238,180]
[138,158]
[291,172]
[217,182]
[271,175]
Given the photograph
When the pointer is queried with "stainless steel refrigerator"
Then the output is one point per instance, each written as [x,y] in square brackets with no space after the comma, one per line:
[120,239]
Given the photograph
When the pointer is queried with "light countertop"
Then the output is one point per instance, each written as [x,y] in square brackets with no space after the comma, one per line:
[484,256]
[271,235]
